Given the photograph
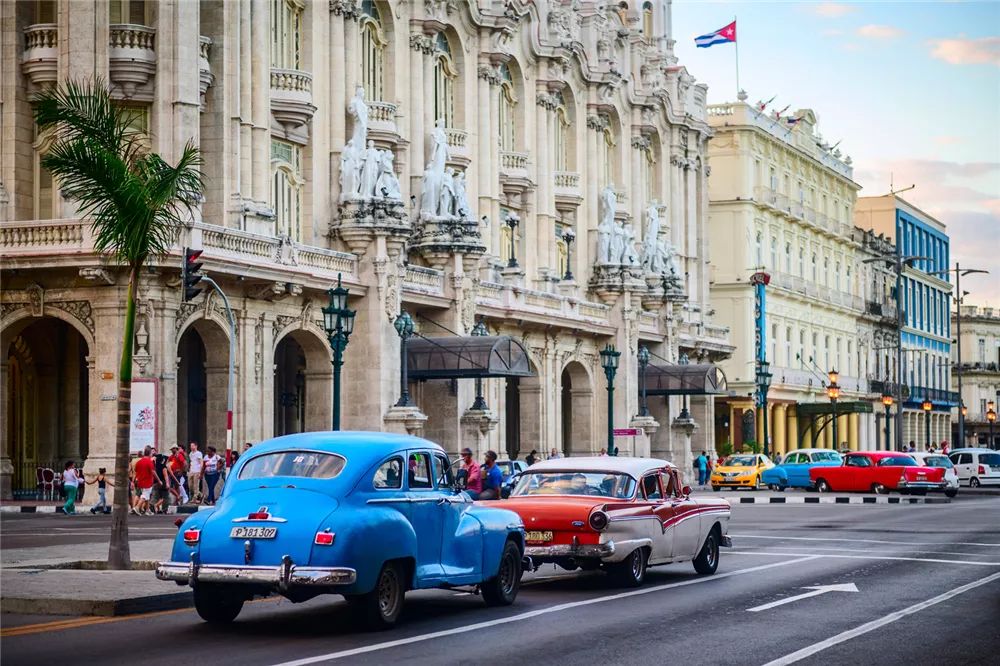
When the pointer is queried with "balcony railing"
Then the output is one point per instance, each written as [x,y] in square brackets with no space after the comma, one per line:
[291,97]
[513,161]
[426,280]
[44,237]
[977,367]
[131,56]
[567,187]
[40,61]
[936,396]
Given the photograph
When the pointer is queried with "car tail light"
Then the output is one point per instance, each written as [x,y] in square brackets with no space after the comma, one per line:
[324,538]
[191,537]
[598,521]
[982,469]
[259,515]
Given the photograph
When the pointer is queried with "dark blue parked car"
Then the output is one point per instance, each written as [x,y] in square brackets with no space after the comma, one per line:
[363,514]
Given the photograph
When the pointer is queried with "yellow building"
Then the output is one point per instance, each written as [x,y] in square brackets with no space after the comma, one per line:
[781,202]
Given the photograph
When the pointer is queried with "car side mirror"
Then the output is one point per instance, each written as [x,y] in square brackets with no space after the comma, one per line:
[686,491]
[505,492]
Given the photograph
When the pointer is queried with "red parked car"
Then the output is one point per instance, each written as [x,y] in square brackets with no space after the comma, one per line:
[878,472]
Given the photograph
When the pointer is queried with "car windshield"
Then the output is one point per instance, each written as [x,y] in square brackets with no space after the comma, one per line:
[506,466]
[896,460]
[991,459]
[598,484]
[826,456]
[740,461]
[302,464]
[937,461]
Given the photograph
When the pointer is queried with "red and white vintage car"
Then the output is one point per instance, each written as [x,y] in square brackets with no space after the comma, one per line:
[618,514]
[878,472]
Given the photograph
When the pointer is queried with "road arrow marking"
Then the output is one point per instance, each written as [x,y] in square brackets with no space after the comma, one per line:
[816,591]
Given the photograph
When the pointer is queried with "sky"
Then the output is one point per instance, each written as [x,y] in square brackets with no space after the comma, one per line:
[912,89]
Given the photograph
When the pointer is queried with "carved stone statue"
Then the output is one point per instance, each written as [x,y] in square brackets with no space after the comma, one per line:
[617,243]
[446,202]
[352,158]
[369,171]
[350,169]
[650,238]
[429,191]
[656,258]
[387,185]
[604,232]
[462,208]
[439,146]
[359,110]
[607,229]
[628,257]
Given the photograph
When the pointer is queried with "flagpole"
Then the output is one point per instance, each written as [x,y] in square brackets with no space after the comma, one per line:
[736,43]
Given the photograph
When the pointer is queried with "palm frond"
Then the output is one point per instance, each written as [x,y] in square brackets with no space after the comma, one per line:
[83,109]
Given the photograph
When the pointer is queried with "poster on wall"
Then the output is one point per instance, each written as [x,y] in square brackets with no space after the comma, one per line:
[142,426]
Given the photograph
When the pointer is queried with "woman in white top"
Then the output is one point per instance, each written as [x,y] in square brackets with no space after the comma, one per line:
[212,469]
[71,483]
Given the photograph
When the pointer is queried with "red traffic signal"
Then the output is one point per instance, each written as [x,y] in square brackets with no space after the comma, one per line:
[190,277]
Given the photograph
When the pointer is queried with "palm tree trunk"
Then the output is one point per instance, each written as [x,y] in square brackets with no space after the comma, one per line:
[119,556]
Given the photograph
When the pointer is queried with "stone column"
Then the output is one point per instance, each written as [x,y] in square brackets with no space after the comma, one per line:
[260,68]
[586,231]
[246,90]
[540,254]
[6,468]
[792,429]
[351,55]
[779,440]
[854,432]
[483,169]
[338,100]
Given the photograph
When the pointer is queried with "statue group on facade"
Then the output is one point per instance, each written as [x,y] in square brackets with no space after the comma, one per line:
[616,244]
[366,172]
[443,194]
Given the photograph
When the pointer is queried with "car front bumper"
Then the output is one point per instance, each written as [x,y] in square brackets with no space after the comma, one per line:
[282,577]
[734,482]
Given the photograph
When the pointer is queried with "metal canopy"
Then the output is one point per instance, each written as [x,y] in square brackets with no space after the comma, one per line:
[704,379]
[818,408]
[468,356]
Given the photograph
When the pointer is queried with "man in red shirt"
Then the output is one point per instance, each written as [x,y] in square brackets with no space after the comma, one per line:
[145,476]
[474,481]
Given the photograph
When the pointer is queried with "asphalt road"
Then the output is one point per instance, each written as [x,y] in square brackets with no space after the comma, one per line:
[928,581]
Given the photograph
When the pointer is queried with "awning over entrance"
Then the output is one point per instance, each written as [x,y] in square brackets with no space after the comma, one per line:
[818,408]
[464,357]
[705,379]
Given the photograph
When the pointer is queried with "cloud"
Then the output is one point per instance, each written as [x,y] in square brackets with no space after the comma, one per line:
[884,32]
[948,140]
[965,51]
[833,9]
[833,32]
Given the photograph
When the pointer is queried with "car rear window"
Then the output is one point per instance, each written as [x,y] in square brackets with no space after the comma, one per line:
[826,456]
[991,459]
[301,464]
[896,460]
[938,461]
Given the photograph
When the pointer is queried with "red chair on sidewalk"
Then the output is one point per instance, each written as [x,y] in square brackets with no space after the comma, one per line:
[48,482]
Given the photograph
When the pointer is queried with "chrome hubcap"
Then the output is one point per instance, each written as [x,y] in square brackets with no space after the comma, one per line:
[712,551]
[637,563]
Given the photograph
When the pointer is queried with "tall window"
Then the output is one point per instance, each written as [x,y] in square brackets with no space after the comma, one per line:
[286,167]
[814,267]
[563,135]
[788,347]
[286,33]
[802,262]
[562,251]
[836,275]
[759,250]
[43,190]
[45,11]
[774,253]
[507,103]
[774,343]
[802,347]
[373,43]
[445,75]
[126,11]
[647,20]
[788,257]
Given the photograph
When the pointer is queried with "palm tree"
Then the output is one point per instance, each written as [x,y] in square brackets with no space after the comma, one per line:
[136,202]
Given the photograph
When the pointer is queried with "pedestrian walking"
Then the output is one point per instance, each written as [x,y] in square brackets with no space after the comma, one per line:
[71,483]
[102,491]
[532,458]
[701,467]
[212,466]
[554,454]
[145,477]
[194,475]
[161,486]
[177,464]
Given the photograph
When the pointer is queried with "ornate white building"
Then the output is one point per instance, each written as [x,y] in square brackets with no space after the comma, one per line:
[980,370]
[494,161]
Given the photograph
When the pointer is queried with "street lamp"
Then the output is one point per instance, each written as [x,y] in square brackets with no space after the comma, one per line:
[887,401]
[991,416]
[480,402]
[511,222]
[643,355]
[609,361]
[338,321]
[404,327]
[833,392]
[568,238]
[927,406]
[763,384]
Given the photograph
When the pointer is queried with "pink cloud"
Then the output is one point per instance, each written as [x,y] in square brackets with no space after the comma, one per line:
[881,32]
[965,51]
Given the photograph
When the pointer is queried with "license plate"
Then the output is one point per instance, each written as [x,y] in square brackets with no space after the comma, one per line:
[253,532]
[538,536]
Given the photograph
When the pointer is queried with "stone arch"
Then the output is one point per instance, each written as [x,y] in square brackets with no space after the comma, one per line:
[576,406]
[12,325]
[45,377]
[523,412]
[303,380]
[202,381]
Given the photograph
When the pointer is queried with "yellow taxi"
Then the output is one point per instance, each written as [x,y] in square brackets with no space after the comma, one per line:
[740,470]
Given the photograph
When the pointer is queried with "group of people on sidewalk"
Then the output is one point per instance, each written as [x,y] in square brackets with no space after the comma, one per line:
[73,480]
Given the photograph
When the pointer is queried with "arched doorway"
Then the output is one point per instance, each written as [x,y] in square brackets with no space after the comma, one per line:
[303,383]
[47,389]
[523,415]
[202,384]
[577,408]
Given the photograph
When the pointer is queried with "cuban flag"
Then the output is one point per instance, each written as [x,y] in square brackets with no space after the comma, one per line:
[720,36]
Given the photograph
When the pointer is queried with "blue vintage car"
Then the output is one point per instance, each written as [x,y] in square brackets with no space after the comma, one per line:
[363,514]
[793,472]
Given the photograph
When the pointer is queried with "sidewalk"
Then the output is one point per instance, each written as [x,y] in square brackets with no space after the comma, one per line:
[36,506]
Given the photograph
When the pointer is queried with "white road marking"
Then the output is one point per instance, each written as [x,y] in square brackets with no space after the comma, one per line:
[895,543]
[877,552]
[867,557]
[816,591]
[880,622]
[530,614]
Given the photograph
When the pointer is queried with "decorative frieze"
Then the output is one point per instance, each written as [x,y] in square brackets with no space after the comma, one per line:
[349,9]
[598,122]
[422,43]
[490,73]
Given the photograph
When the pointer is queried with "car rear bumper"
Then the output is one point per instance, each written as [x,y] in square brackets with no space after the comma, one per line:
[923,485]
[281,577]
[575,551]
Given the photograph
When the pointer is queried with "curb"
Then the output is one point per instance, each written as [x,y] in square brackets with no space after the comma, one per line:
[102,607]
[83,510]
[853,499]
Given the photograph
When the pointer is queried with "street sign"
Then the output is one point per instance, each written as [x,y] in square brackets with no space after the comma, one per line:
[816,591]
[628,432]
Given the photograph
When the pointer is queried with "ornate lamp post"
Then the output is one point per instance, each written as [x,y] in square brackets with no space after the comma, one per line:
[512,222]
[609,361]
[338,321]
[991,416]
[964,411]
[568,238]
[887,401]
[480,402]
[404,327]
[833,392]
[927,406]
[643,355]
[763,384]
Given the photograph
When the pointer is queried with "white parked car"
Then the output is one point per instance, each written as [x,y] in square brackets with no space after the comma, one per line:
[977,467]
[940,460]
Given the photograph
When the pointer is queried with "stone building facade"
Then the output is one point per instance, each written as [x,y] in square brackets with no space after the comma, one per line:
[980,370]
[464,161]
[781,203]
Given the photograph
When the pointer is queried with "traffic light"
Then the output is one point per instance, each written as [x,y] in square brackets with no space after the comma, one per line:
[190,275]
